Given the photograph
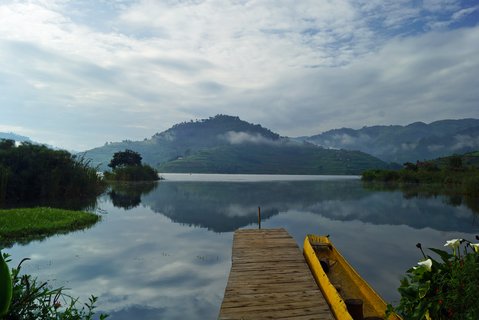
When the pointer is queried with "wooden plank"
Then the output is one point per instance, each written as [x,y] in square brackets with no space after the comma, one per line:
[274,314]
[256,300]
[269,279]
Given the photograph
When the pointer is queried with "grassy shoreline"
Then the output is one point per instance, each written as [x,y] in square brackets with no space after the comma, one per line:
[26,224]
[456,174]
[464,182]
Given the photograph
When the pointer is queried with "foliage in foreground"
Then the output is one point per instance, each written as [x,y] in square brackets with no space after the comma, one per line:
[446,289]
[31,172]
[34,223]
[31,300]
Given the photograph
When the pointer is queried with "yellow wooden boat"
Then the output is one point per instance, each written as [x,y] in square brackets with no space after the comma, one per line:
[348,295]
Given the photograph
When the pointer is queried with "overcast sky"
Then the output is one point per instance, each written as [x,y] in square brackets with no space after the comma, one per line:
[76,74]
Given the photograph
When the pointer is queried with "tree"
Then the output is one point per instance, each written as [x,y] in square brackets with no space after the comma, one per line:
[455,162]
[410,166]
[6,144]
[125,158]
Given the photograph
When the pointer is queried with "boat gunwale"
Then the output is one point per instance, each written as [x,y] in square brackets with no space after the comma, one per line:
[331,294]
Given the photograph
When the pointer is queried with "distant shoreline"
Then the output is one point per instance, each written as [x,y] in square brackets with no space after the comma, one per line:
[220,177]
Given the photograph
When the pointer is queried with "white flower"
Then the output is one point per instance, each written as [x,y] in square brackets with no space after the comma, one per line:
[426,264]
[453,243]
[475,246]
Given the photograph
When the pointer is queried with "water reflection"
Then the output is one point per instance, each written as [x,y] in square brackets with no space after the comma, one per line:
[128,195]
[137,261]
[164,251]
[225,206]
[427,191]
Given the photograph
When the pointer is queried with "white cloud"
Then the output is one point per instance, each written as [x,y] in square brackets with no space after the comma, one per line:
[465,141]
[95,71]
[435,147]
[408,146]
[464,12]
[429,77]
[346,139]
[441,5]
[234,137]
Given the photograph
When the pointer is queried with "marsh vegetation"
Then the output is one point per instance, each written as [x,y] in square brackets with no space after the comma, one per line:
[450,175]
[25,224]
[32,173]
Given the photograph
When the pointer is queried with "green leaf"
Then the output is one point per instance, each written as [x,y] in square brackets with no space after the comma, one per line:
[424,288]
[6,287]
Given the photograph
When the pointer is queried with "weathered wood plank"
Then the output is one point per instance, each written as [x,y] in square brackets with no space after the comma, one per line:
[269,279]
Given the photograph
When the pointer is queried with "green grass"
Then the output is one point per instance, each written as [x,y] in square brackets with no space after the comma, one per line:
[26,224]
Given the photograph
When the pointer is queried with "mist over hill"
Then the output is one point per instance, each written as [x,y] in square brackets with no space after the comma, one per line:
[416,141]
[14,136]
[227,144]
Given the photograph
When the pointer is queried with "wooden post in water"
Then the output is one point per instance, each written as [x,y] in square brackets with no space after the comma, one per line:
[259,217]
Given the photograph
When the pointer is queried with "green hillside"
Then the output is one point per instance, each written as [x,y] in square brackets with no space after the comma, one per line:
[470,159]
[272,159]
[182,140]
[226,144]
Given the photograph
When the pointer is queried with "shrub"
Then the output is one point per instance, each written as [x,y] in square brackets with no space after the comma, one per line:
[3,183]
[133,173]
[36,172]
[471,185]
[369,175]
[444,289]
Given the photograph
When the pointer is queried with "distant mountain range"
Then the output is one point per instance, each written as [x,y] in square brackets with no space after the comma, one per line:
[227,144]
[13,136]
[416,141]
[19,138]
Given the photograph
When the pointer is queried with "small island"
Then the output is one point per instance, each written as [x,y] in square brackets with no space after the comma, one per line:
[127,166]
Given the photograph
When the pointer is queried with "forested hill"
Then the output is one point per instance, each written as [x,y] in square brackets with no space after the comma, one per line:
[416,141]
[227,144]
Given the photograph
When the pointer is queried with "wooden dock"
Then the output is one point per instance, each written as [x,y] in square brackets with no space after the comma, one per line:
[270,279]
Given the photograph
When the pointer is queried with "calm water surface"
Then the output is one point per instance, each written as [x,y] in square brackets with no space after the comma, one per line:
[164,250]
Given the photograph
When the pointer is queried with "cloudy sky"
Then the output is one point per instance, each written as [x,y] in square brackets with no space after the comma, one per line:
[75,74]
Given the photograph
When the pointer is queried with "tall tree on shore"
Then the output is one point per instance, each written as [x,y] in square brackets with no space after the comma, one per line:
[125,158]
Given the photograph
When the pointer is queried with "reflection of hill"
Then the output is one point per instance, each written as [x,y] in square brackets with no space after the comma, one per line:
[226,206]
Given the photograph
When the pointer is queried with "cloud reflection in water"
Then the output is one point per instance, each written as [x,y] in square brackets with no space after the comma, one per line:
[169,257]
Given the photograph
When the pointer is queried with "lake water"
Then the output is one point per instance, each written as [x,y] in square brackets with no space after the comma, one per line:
[164,250]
